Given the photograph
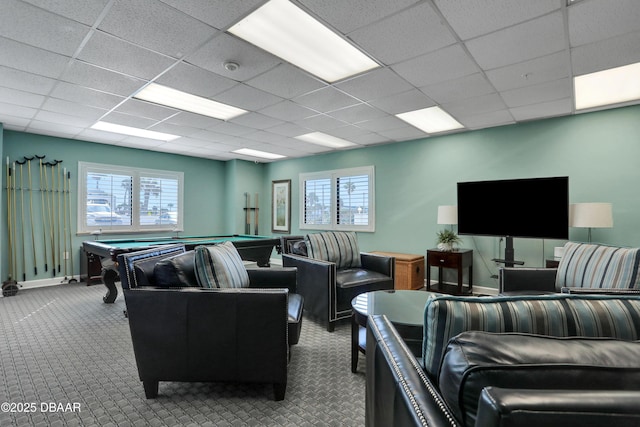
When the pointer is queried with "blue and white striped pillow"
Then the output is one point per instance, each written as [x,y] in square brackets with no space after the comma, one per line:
[340,247]
[220,266]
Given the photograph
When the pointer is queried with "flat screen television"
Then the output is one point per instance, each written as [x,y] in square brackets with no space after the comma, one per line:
[534,207]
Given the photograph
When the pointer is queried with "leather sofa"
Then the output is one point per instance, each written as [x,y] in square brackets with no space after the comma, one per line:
[584,268]
[181,332]
[551,360]
[327,287]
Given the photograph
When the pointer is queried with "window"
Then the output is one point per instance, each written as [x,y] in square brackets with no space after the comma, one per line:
[123,199]
[338,200]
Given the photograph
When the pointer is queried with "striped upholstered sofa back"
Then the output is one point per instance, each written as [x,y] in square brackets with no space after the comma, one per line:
[598,266]
[559,315]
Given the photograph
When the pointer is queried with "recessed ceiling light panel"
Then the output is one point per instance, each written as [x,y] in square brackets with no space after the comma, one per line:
[258,153]
[431,120]
[131,131]
[607,87]
[320,138]
[285,30]
[174,98]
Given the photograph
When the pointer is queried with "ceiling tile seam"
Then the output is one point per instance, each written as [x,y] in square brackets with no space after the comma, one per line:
[567,49]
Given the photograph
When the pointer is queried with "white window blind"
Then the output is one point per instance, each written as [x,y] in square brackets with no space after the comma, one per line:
[338,200]
[119,199]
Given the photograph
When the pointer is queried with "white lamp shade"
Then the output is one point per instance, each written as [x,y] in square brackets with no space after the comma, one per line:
[447,214]
[591,215]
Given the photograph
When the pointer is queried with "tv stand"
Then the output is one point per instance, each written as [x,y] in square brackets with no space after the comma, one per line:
[509,260]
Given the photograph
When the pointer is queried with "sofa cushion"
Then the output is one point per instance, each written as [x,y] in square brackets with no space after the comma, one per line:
[475,360]
[176,271]
[340,247]
[559,315]
[143,272]
[598,266]
[220,266]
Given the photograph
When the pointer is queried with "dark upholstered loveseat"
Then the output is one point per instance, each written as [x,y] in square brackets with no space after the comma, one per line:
[181,332]
[330,276]
[551,360]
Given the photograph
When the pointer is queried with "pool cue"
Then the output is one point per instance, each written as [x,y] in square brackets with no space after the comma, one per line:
[64,221]
[247,219]
[54,221]
[24,257]
[256,214]
[68,179]
[33,238]
[49,218]
[44,216]
[15,222]
[9,225]
[60,217]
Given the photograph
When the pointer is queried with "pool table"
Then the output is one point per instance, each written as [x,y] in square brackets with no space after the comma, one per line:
[102,254]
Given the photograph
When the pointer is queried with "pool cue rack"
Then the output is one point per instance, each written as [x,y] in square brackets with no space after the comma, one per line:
[39,242]
[248,210]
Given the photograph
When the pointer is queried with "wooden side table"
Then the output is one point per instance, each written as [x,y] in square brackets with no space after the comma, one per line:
[409,270]
[458,260]
[552,263]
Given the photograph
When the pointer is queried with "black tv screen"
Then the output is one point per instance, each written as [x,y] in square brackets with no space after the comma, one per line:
[535,207]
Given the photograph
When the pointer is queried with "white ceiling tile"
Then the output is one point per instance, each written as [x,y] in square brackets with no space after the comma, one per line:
[610,53]
[100,136]
[24,81]
[135,107]
[445,64]
[118,55]
[64,119]
[192,120]
[472,18]
[156,26]
[172,129]
[194,80]
[21,98]
[535,71]
[17,111]
[136,142]
[73,109]
[287,110]
[544,92]
[407,34]
[286,81]
[346,16]
[263,136]
[402,102]
[220,14]
[247,97]
[85,96]
[385,123]
[546,109]
[226,48]
[320,122]
[326,99]
[289,129]
[128,120]
[592,21]
[97,78]
[60,130]
[357,113]
[375,84]
[522,42]
[477,105]
[453,90]
[85,12]
[370,139]
[31,25]
[405,133]
[30,59]
[13,123]
[485,120]
[256,121]
[229,128]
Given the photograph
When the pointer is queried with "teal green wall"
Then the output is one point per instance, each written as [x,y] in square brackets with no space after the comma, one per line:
[598,151]
[204,183]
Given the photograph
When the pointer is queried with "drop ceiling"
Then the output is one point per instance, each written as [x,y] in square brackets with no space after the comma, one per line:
[66,65]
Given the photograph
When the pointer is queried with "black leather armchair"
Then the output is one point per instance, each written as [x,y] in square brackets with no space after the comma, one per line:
[195,334]
[328,291]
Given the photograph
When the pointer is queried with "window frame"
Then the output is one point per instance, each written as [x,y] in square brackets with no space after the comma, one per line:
[333,176]
[86,168]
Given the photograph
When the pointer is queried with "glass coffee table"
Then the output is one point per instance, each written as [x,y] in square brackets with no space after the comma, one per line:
[404,308]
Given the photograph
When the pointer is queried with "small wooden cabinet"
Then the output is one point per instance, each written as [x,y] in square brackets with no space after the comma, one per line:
[409,270]
[458,260]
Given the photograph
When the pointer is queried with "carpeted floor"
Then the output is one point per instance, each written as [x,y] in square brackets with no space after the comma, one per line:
[66,359]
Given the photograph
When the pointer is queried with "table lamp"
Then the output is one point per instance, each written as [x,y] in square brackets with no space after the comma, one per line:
[448,214]
[590,215]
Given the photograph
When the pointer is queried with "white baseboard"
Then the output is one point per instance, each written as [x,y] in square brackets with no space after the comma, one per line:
[42,283]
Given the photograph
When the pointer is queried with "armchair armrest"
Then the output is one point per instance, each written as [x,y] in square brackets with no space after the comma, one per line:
[379,263]
[273,278]
[528,280]
[316,282]
[556,408]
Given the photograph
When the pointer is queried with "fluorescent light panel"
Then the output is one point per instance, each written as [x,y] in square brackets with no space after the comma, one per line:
[320,138]
[128,130]
[285,30]
[430,120]
[607,87]
[174,98]
[257,153]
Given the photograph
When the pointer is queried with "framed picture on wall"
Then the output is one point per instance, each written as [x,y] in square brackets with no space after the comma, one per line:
[281,206]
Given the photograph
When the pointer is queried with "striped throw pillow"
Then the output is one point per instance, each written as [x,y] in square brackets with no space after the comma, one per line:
[220,266]
[598,266]
[559,315]
[340,247]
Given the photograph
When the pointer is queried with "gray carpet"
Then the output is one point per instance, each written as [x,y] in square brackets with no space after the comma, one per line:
[66,359]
